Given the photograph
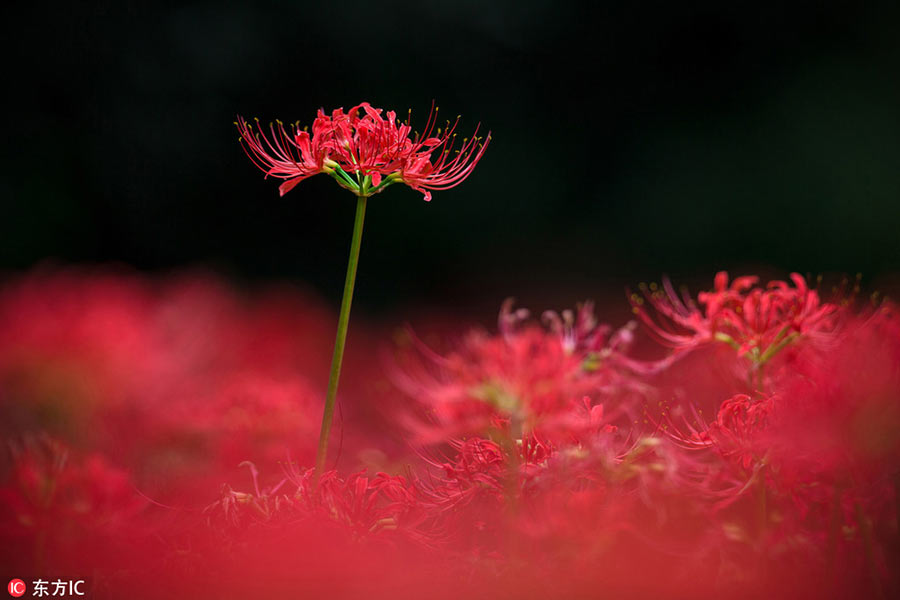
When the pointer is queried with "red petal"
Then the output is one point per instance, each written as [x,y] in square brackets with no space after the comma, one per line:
[288,185]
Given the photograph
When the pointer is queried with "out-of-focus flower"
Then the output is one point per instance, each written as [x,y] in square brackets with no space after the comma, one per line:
[483,469]
[382,507]
[835,415]
[64,508]
[839,415]
[238,417]
[523,380]
[75,345]
[364,152]
[809,473]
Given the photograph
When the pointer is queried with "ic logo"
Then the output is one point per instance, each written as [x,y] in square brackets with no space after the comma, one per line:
[16,588]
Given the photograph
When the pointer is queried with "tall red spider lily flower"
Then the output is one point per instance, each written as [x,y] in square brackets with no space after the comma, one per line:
[365,153]
[758,322]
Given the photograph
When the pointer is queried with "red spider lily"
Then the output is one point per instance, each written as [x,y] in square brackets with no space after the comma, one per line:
[520,381]
[580,331]
[365,152]
[64,508]
[736,432]
[362,507]
[368,506]
[818,458]
[491,381]
[757,322]
[482,469]
[835,413]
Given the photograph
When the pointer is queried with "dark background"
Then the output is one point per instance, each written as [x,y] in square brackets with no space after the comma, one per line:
[629,140]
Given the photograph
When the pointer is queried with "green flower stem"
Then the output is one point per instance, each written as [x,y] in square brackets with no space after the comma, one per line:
[341,337]
[347,179]
[777,346]
[724,337]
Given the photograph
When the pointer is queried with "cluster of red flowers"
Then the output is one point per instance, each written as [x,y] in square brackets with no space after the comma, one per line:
[361,142]
[169,426]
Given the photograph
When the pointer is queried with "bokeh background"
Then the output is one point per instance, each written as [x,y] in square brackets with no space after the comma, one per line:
[630,140]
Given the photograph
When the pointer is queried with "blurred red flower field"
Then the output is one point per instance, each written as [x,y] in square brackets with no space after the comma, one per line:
[161,433]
